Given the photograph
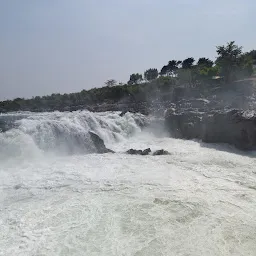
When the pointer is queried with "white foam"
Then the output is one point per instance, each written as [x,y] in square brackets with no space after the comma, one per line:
[64,133]
[200,200]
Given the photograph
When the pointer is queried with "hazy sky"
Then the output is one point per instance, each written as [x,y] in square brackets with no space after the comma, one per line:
[49,46]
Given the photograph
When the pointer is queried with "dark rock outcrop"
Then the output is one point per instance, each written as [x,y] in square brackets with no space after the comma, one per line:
[133,107]
[187,124]
[122,113]
[9,122]
[138,151]
[160,152]
[134,151]
[235,127]
[147,151]
[99,144]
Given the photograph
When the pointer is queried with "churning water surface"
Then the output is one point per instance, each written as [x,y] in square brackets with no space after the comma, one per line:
[57,200]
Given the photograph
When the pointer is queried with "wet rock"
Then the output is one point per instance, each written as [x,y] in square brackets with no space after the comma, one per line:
[160,152]
[99,144]
[133,107]
[123,113]
[131,151]
[146,151]
[235,127]
[138,151]
[186,124]
[134,152]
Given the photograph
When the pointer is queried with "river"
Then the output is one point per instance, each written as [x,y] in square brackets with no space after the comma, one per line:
[58,199]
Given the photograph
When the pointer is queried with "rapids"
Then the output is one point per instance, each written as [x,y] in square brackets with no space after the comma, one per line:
[57,199]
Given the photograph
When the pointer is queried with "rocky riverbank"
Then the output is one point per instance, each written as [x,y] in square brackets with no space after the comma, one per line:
[235,127]
[226,116]
[211,113]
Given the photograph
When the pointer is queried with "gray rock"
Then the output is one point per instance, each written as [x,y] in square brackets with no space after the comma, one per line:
[146,151]
[123,113]
[99,144]
[160,152]
[134,152]
[235,127]
[138,151]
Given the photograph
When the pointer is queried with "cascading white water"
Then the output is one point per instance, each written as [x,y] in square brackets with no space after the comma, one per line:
[64,133]
[199,200]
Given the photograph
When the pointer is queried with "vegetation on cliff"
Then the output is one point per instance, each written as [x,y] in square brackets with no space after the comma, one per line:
[231,64]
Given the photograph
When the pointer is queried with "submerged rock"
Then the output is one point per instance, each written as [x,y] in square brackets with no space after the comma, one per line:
[99,144]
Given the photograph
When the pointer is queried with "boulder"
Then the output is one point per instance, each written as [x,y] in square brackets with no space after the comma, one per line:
[99,144]
[134,151]
[138,151]
[160,152]
[146,151]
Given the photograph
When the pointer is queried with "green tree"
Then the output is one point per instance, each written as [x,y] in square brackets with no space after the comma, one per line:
[110,82]
[252,54]
[171,68]
[135,78]
[208,72]
[229,60]
[185,76]
[164,70]
[245,68]
[205,62]
[204,69]
[151,74]
[188,63]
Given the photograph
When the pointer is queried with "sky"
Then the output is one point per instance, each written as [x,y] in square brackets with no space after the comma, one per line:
[62,46]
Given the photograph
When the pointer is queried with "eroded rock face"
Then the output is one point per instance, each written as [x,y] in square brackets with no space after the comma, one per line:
[187,124]
[235,127]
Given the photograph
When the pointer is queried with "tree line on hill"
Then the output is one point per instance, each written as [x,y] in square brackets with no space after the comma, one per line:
[231,64]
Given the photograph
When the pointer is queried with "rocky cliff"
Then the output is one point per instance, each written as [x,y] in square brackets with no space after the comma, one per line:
[224,116]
